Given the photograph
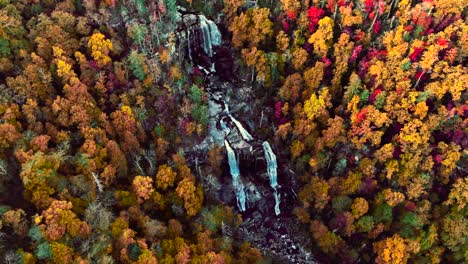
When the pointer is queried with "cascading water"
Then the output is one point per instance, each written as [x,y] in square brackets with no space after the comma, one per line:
[202,35]
[244,133]
[272,167]
[236,181]
[188,44]
[210,34]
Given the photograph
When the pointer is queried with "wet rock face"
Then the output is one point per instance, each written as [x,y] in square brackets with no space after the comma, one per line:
[202,40]
[200,36]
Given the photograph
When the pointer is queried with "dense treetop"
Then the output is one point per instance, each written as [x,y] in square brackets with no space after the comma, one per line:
[97,103]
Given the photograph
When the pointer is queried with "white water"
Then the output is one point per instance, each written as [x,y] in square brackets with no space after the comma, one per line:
[236,181]
[272,168]
[210,34]
[244,133]
[206,35]
[188,43]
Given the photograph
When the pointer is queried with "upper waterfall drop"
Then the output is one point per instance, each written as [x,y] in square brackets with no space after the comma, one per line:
[272,169]
[235,173]
[211,36]
[199,35]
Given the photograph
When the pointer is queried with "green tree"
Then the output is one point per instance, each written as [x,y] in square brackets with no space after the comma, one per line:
[137,64]
[383,214]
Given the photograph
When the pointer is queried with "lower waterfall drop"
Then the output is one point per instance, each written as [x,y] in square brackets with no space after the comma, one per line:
[236,181]
[272,167]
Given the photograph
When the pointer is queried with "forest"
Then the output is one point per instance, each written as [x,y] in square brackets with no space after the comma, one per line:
[233,131]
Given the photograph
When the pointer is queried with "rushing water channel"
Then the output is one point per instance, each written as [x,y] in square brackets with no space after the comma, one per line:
[236,181]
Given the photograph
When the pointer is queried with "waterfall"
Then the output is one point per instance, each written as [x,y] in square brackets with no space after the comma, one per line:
[236,181]
[201,34]
[210,34]
[244,133]
[272,173]
[188,43]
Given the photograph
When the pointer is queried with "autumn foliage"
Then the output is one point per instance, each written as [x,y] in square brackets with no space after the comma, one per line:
[365,102]
[370,107]
[90,135]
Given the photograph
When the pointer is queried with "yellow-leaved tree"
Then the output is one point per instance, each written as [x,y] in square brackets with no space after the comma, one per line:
[100,48]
